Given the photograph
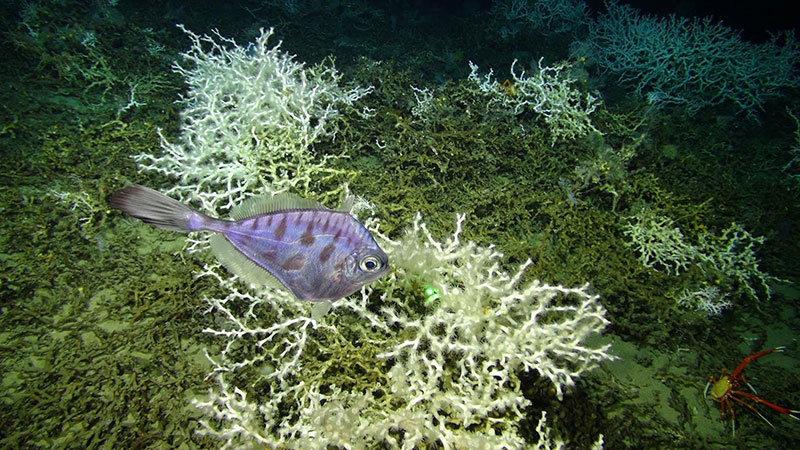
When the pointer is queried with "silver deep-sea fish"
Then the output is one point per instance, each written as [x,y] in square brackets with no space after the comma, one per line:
[315,252]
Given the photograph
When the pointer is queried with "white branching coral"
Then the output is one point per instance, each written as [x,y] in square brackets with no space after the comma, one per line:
[251,115]
[549,92]
[695,63]
[545,17]
[733,254]
[444,366]
[729,256]
[658,243]
[708,300]
[427,356]
[485,321]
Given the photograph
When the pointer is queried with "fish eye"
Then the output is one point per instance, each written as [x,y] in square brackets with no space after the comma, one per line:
[369,263]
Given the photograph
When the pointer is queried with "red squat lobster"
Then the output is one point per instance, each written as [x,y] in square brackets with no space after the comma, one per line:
[725,389]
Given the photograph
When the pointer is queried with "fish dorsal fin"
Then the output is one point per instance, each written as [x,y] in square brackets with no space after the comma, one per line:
[266,204]
[347,204]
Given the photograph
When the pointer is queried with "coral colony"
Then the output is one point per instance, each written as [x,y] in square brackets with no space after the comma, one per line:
[375,325]
[431,353]
[443,337]
[451,366]
[453,329]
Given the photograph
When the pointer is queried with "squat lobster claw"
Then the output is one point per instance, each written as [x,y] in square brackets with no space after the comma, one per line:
[725,389]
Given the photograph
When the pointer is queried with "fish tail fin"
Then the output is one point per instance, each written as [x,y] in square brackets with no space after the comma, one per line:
[158,210]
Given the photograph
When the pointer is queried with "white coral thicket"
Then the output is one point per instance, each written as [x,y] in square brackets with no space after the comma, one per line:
[451,359]
[251,115]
